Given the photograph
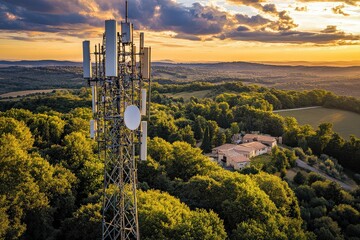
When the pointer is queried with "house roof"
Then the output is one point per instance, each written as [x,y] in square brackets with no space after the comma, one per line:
[239,159]
[225,147]
[242,148]
[245,147]
[260,138]
[254,145]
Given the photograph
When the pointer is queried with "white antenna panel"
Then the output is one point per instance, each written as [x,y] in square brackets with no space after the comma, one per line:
[111,51]
[86,60]
[143,148]
[126,32]
[143,102]
[145,63]
[94,99]
[93,126]
[132,117]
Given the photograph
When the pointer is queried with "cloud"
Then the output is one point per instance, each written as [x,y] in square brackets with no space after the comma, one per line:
[256,20]
[50,6]
[84,19]
[72,17]
[330,29]
[43,16]
[329,36]
[187,37]
[296,37]
[269,8]
[253,3]
[284,22]
[338,10]
[33,39]
[349,2]
[242,29]
[301,9]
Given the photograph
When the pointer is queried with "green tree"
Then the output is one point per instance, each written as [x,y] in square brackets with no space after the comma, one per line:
[160,150]
[85,224]
[18,130]
[225,116]
[300,178]
[213,131]
[280,193]
[162,216]
[220,139]
[80,159]
[206,143]
[186,162]
[34,190]
[345,215]
[279,159]
[335,145]
[234,127]
[47,130]
[326,228]
[162,125]
[187,135]
[198,127]
[319,141]
[4,219]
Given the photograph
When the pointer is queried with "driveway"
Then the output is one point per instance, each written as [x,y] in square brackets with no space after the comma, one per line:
[304,165]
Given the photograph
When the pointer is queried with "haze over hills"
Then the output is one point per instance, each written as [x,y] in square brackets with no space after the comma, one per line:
[344,80]
[49,62]
[35,63]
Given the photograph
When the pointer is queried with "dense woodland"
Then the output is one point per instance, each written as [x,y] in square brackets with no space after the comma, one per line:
[51,177]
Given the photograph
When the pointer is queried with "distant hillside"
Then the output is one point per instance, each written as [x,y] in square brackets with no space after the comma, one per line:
[37,63]
[341,80]
[49,74]
[20,78]
[257,66]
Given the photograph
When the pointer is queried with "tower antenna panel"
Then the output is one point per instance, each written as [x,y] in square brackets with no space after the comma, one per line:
[111,49]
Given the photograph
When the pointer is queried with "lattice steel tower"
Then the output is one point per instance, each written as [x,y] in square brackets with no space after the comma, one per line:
[119,100]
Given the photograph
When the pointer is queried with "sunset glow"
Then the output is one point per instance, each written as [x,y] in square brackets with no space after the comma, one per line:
[188,30]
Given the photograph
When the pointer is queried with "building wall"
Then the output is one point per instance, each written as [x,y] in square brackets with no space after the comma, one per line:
[239,166]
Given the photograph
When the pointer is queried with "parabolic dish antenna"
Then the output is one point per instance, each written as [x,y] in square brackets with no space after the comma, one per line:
[132,117]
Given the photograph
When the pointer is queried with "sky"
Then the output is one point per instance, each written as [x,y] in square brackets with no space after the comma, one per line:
[187,30]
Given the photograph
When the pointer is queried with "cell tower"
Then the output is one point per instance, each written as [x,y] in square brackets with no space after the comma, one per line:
[119,101]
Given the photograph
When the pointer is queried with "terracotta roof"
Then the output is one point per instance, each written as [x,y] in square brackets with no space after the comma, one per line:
[254,145]
[260,137]
[242,148]
[239,159]
[225,147]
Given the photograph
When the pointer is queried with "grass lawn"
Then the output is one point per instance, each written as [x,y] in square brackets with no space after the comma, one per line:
[261,160]
[188,95]
[345,123]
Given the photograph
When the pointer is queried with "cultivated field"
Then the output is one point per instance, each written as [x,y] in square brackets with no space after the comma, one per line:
[25,93]
[345,123]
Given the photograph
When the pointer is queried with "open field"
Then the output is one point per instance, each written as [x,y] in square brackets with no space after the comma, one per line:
[187,95]
[345,123]
[25,93]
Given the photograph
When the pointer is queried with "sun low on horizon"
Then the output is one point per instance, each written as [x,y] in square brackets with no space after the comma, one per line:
[187,30]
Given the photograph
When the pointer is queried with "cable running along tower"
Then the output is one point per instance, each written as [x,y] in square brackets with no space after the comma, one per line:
[119,86]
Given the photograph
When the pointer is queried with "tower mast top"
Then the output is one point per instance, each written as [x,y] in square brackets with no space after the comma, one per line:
[126,11]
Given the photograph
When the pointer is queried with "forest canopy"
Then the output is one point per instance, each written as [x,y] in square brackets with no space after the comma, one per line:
[51,177]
